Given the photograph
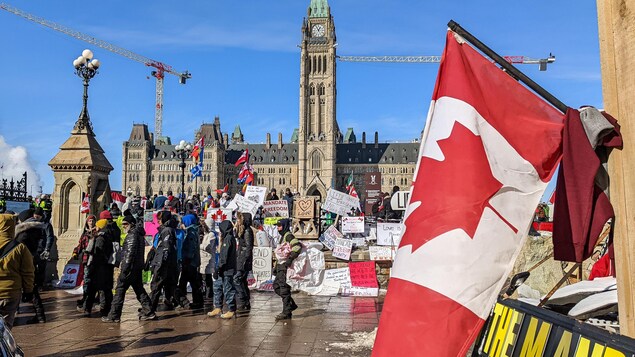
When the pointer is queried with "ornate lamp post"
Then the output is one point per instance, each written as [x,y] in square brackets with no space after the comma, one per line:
[85,68]
[183,151]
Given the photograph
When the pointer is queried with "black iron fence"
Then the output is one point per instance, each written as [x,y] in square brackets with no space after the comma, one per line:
[14,190]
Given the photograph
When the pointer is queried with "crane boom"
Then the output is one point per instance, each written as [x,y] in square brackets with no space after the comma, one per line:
[436,59]
[161,67]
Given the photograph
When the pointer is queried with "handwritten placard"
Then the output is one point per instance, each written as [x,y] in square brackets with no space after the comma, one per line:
[256,194]
[343,248]
[381,253]
[362,291]
[363,274]
[329,237]
[359,241]
[276,208]
[148,215]
[353,224]
[339,275]
[262,264]
[389,233]
[304,207]
[339,202]
[245,205]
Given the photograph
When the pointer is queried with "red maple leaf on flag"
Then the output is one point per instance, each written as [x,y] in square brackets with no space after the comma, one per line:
[453,192]
[219,216]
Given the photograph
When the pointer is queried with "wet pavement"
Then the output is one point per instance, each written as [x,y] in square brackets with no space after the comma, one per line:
[322,326]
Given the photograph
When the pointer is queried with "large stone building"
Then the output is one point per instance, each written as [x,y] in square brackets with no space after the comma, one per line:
[317,156]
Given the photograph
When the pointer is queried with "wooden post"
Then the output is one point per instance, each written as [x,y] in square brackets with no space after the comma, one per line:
[616,24]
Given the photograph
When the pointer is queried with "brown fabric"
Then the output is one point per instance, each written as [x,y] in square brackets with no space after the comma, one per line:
[16,268]
[581,207]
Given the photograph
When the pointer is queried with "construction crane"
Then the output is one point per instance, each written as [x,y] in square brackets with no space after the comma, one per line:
[160,68]
[542,63]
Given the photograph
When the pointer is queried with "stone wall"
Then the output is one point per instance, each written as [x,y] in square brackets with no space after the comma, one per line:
[382,268]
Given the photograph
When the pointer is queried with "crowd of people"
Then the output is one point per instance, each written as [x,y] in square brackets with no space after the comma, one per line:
[213,258]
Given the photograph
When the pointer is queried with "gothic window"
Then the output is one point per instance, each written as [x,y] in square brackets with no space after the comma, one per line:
[309,65]
[316,161]
[314,64]
[312,90]
[324,63]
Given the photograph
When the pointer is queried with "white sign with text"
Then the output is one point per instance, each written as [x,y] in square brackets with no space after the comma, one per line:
[353,224]
[339,202]
[389,233]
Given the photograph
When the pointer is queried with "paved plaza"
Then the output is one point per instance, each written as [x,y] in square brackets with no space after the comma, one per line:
[322,326]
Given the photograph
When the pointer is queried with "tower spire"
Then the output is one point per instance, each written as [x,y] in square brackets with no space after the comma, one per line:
[319,8]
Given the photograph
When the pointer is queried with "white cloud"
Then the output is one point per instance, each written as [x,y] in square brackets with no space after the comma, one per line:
[14,161]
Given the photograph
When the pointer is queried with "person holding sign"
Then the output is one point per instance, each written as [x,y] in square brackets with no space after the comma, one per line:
[224,273]
[280,285]
[244,261]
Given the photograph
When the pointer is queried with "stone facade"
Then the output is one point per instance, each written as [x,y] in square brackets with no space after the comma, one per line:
[316,157]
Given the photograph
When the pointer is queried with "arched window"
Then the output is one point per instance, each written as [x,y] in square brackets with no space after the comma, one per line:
[316,161]
[324,63]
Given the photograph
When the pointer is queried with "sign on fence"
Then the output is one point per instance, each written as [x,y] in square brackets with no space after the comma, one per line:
[339,202]
[353,224]
[389,233]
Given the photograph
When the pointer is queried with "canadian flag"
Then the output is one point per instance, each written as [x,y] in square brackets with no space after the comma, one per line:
[118,198]
[244,157]
[85,208]
[488,151]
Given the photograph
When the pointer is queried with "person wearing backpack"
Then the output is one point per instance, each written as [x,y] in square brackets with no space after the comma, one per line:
[164,264]
[101,270]
[280,285]
[190,262]
[16,271]
[131,273]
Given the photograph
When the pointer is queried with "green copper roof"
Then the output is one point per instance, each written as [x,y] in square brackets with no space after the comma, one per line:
[319,8]
[294,136]
[237,132]
[349,137]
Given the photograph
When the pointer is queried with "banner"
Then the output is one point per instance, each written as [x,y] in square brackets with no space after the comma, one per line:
[343,248]
[256,194]
[389,233]
[340,202]
[276,208]
[353,224]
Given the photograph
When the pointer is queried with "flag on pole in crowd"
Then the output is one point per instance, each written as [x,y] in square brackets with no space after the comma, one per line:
[243,158]
[349,182]
[118,198]
[225,189]
[352,191]
[85,208]
[478,181]
[197,154]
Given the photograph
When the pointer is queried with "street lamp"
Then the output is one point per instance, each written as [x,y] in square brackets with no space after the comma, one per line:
[85,68]
[183,151]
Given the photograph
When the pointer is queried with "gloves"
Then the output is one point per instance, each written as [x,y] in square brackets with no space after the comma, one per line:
[215,275]
[27,297]
[45,255]
[74,256]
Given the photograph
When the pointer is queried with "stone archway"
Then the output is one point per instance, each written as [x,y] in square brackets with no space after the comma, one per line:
[70,217]
[316,191]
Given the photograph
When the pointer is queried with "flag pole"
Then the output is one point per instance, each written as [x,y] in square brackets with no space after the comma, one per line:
[508,66]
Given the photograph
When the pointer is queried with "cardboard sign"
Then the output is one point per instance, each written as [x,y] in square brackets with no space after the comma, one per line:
[303,207]
[272,221]
[343,248]
[363,274]
[381,253]
[69,276]
[399,200]
[256,194]
[389,233]
[262,264]
[246,205]
[329,237]
[353,224]
[339,275]
[359,242]
[339,202]
[276,208]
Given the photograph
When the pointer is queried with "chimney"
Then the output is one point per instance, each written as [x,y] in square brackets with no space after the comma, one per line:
[226,139]
[279,141]
[376,139]
[363,140]
[268,141]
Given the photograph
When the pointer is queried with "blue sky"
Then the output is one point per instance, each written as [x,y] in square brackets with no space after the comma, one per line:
[245,66]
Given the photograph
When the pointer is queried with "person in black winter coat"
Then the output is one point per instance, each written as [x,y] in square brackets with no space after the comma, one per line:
[165,264]
[226,267]
[244,261]
[280,286]
[31,233]
[101,271]
[190,263]
[131,272]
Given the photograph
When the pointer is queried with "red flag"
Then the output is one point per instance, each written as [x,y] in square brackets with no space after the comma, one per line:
[85,208]
[198,149]
[477,183]
[352,191]
[552,199]
[118,198]
[243,158]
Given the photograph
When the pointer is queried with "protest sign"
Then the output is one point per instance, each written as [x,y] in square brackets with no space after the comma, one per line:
[231,205]
[381,253]
[304,207]
[276,208]
[69,276]
[219,214]
[363,274]
[329,237]
[359,241]
[328,288]
[339,202]
[151,228]
[148,215]
[353,224]
[399,200]
[389,233]
[272,220]
[340,276]
[246,205]
[262,264]
[362,291]
[343,248]
[256,194]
